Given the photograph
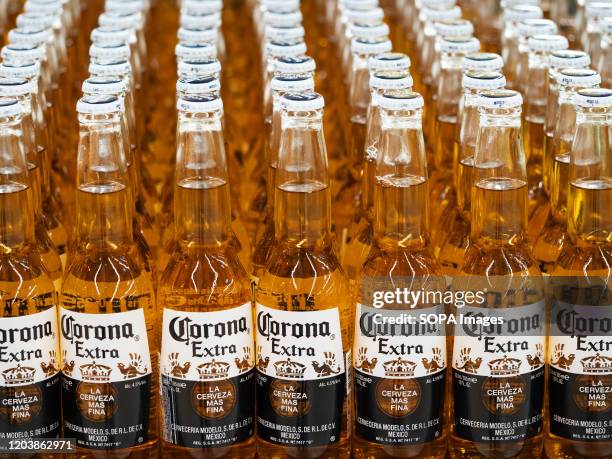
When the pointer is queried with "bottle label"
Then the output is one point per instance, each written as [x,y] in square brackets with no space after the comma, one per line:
[399,371]
[106,378]
[208,380]
[498,373]
[580,356]
[29,376]
[301,379]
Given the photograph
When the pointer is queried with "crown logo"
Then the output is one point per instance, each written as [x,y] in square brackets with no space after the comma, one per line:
[597,364]
[399,367]
[289,369]
[18,375]
[506,366]
[95,372]
[213,370]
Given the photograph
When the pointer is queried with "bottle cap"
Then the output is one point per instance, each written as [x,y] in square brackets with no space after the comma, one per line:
[98,105]
[281,5]
[200,67]
[438,3]
[511,3]
[10,107]
[199,104]
[190,51]
[478,79]
[439,14]
[200,7]
[370,46]
[194,86]
[454,28]
[199,35]
[369,29]
[360,4]
[118,51]
[521,12]
[391,79]
[14,87]
[31,36]
[486,62]
[46,8]
[569,59]
[284,33]
[294,64]
[131,6]
[388,61]
[196,21]
[111,34]
[20,69]
[401,99]
[22,51]
[547,43]
[530,27]
[292,83]
[121,19]
[104,86]
[283,19]
[598,9]
[459,45]
[285,48]
[370,15]
[302,102]
[594,97]
[36,20]
[584,78]
[500,98]
[110,67]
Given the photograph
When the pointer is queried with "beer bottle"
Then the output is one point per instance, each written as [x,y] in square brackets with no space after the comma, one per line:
[108,310]
[208,380]
[592,35]
[455,237]
[30,386]
[512,16]
[548,243]
[528,28]
[536,89]
[401,257]
[604,66]
[22,90]
[265,238]
[303,310]
[442,192]
[489,372]
[362,228]
[579,365]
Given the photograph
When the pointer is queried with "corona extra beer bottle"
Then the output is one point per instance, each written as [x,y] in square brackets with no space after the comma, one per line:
[280,85]
[579,344]
[548,243]
[536,89]
[361,237]
[207,349]
[399,370]
[303,310]
[30,385]
[456,228]
[493,365]
[108,313]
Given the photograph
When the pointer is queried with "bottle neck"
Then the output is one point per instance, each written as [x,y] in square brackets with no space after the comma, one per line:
[202,209]
[302,197]
[103,201]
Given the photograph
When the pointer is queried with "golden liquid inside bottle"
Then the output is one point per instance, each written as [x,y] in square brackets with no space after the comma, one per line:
[304,274]
[107,265]
[534,152]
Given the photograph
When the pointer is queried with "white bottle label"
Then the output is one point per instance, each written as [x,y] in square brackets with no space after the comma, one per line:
[29,350]
[303,345]
[104,348]
[206,346]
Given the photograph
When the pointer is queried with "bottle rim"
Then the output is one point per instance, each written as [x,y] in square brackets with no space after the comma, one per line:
[293,83]
[547,43]
[482,61]
[302,102]
[104,86]
[500,99]
[478,79]
[569,58]
[199,103]
[391,79]
[371,46]
[401,99]
[98,104]
[389,61]
[594,98]
[295,64]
